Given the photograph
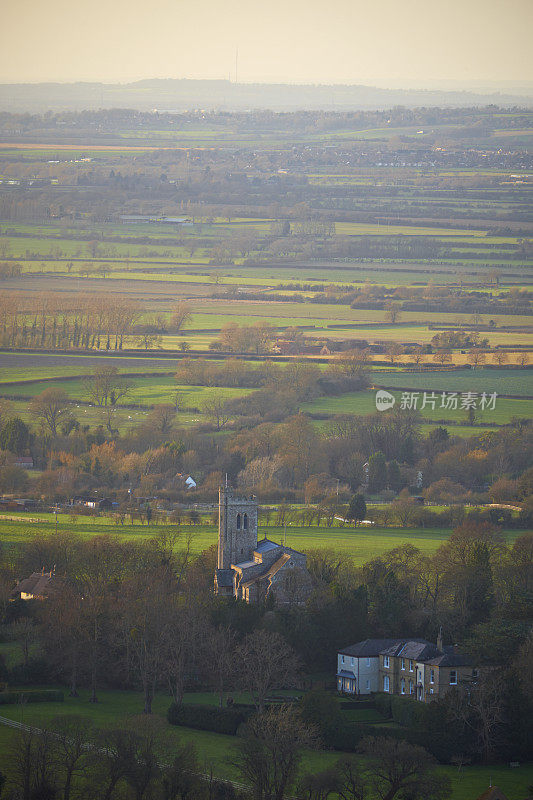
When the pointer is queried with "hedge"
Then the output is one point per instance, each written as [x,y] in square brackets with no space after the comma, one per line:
[347,736]
[208,718]
[353,705]
[37,696]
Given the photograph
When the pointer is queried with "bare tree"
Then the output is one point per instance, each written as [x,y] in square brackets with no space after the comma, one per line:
[49,407]
[106,387]
[266,662]
[270,750]
[397,769]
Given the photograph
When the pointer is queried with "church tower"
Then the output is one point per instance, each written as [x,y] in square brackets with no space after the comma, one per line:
[237,528]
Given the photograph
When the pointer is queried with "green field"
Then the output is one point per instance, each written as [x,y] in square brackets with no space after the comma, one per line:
[217,750]
[361,544]
[501,381]
[364,403]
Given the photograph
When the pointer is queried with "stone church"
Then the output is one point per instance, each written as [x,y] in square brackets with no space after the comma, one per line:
[253,570]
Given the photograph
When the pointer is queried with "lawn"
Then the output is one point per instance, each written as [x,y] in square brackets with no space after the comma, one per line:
[217,750]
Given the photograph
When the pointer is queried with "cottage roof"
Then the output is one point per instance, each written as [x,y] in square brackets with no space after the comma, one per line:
[38,584]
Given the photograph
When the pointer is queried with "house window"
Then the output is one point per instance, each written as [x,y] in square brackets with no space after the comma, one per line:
[431,691]
[353,662]
[403,663]
[368,662]
[245,522]
[386,683]
[402,686]
[342,659]
[386,662]
[368,685]
[238,522]
[432,676]
[411,687]
[453,677]
[411,667]
[475,674]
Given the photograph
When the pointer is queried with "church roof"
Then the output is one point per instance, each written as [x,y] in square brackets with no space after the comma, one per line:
[276,566]
[244,565]
[265,545]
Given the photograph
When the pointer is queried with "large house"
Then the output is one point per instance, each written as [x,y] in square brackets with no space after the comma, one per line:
[412,667]
[252,570]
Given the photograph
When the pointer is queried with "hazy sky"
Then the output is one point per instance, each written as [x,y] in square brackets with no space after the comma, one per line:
[317,41]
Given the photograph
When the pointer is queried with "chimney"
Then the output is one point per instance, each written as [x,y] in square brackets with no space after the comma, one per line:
[439,641]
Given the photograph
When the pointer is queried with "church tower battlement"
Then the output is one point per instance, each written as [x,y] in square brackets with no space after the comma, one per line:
[237,528]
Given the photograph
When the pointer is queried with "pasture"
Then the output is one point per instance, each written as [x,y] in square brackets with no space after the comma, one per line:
[360,544]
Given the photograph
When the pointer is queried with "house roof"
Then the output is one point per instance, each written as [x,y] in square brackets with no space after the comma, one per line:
[451,658]
[415,649]
[38,584]
[369,648]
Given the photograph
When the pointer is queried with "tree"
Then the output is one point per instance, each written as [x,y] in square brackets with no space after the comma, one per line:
[417,355]
[523,359]
[70,736]
[393,312]
[397,769]
[180,314]
[476,358]
[149,340]
[442,357]
[270,750]
[266,662]
[377,472]
[500,357]
[15,436]
[394,350]
[356,509]
[216,409]
[106,387]
[49,407]
[161,418]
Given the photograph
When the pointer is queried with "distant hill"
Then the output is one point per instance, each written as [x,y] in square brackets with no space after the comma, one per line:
[181,95]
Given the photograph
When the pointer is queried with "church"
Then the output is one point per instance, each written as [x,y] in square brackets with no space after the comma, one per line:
[252,570]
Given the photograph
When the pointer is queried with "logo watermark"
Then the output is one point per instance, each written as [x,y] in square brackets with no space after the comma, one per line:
[449,401]
[384,400]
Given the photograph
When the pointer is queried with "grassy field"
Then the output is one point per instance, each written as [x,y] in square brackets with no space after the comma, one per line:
[361,544]
[364,403]
[217,750]
[502,381]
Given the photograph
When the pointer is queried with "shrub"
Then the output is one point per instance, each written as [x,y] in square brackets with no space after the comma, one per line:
[208,718]
[382,702]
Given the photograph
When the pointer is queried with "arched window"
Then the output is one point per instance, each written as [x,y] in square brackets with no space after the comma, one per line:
[245,522]
[238,522]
